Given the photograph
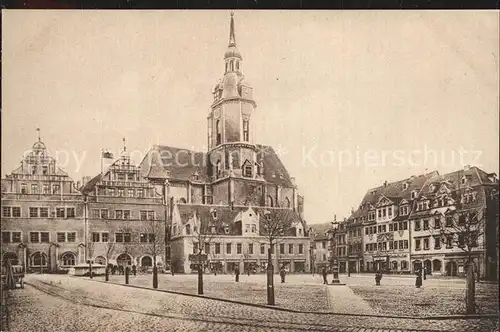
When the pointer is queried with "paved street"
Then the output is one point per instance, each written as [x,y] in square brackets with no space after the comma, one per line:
[65,303]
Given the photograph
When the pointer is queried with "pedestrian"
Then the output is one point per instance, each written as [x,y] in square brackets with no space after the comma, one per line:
[134,270]
[282,274]
[172,270]
[378,277]
[237,274]
[418,281]
[325,274]
[425,272]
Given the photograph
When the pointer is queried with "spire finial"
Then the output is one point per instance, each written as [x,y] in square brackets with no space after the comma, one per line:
[124,146]
[39,138]
[232,38]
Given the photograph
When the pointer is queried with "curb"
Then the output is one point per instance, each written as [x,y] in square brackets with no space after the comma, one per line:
[266,306]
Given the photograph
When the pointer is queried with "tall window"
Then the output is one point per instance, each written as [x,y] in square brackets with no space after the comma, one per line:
[247,170]
[246,130]
[270,201]
[218,136]
[228,248]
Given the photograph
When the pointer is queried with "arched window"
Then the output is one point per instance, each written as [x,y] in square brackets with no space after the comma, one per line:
[174,230]
[38,259]
[246,130]
[218,169]
[218,136]
[68,259]
[182,200]
[188,229]
[404,265]
[436,265]
[146,261]
[237,65]
[287,202]
[270,201]
[100,260]
[124,259]
[232,65]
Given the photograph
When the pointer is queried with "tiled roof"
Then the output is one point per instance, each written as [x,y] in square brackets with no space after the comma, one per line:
[274,170]
[321,230]
[89,186]
[393,190]
[225,215]
[181,163]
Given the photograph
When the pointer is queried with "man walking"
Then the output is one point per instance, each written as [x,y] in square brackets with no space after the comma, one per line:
[282,274]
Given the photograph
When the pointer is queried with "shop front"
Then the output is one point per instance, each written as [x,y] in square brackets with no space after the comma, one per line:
[250,266]
[299,266]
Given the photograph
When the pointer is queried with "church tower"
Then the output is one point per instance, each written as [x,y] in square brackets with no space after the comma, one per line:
[231,146]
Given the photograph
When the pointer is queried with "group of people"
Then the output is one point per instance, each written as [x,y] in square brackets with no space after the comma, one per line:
[120,269]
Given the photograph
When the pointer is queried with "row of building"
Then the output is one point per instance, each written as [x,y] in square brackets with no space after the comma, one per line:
[151,213]
[434,221]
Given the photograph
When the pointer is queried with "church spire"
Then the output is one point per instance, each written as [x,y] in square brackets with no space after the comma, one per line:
[232,38]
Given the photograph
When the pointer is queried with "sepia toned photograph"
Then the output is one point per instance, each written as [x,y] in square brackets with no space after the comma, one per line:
[245,170]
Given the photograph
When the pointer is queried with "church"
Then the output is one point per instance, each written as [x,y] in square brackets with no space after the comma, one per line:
[236,177]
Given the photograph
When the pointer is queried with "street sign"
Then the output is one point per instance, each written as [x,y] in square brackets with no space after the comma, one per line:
[195,257]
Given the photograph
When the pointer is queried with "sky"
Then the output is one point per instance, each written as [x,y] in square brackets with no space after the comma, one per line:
[349,99]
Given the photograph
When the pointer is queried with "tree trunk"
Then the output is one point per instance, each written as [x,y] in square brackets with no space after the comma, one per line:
[200,274]
[155,273]
[270,281]
[106,275]
[470,289]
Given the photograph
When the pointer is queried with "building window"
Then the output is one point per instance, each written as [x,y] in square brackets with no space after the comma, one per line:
[250,248]
[417,225]
[104,214]
[60,212]
[61,237]
[16,237]
[413,194]
[301,248]
[6,211]
[24,188]
[217,248]
[282,248]
[404,265]
[131,193]
[437,243]
[140,193]
[56,189]
[70,212]
[34,189]
[71,236]
[44,212]
[96,237]
[104,237]
[121,193]
[449,243]
[254,228]
[270,201]
[45,189]
[45,170]
[6,237]
[195,247]
[188,229]
[290,248]
[406,244]
[426,244]
[437,223]
[68,259]
[262,249]
[238,248]
[417,244]
[38,259]
[461,240]
[95,214]
[33,212]
[218,136]
[245,130]
[147,238]
[118,214]
[247,171]
[449,221]
[426,225]
[207,248]
[228,248]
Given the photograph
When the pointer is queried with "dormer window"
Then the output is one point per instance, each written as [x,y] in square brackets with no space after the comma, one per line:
[247,169]
[413,194]
[464,180]
[431,188]
[196,176]
[405,186]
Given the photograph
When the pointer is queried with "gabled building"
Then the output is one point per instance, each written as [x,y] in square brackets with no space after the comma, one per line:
[383,212]
[235,175]
[455,213]
[124,217]
[319,245]
[42,214]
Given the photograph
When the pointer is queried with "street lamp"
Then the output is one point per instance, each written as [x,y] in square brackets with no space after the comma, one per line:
[333,248]
[312,238]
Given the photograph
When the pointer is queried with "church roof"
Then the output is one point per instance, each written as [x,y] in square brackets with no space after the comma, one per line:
[180,163]
[274,170]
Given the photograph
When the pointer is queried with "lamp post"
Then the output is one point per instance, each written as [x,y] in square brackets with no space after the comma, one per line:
[312,238]
[333,253]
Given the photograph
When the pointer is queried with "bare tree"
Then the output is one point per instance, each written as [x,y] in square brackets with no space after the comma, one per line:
[152,240]
[109,248]
[274,225]
[204,231]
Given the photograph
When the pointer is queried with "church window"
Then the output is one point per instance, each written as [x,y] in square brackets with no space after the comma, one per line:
[245,130]
[287,202]
[217,169]
[270,201]
[247,171]
[232,65]
[218,132]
